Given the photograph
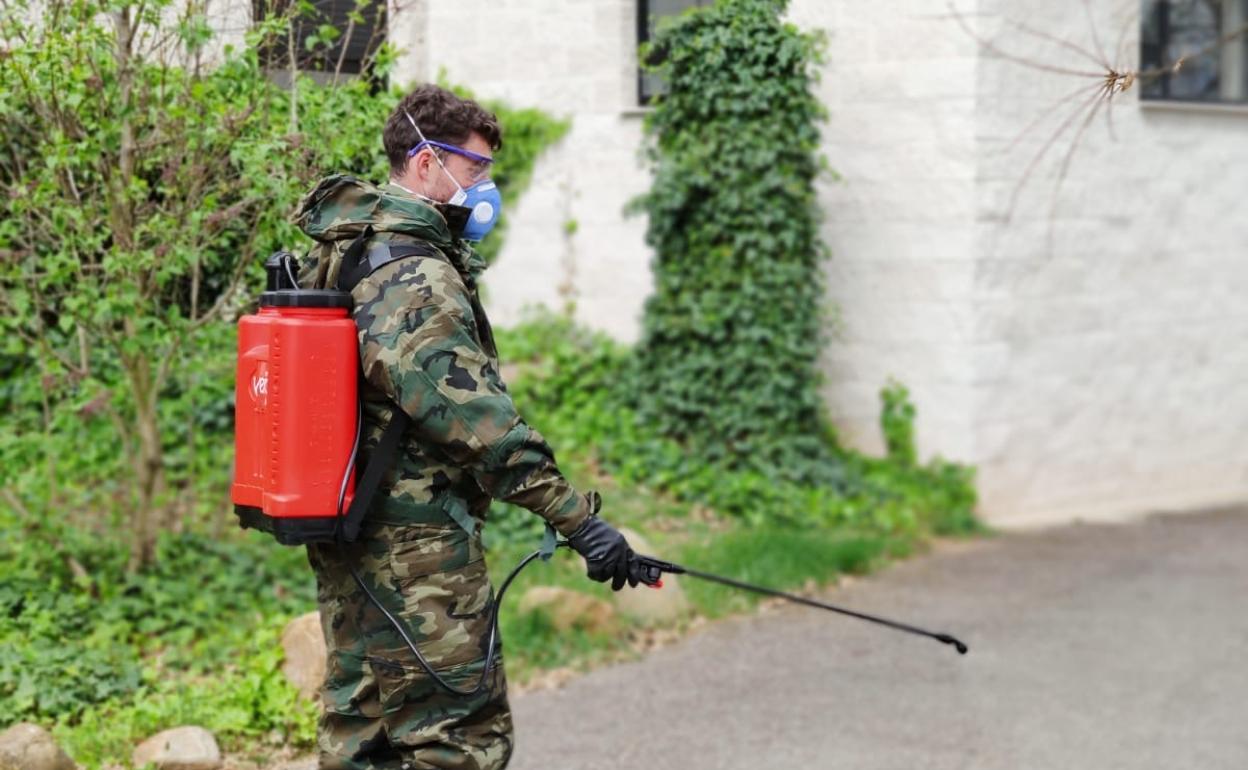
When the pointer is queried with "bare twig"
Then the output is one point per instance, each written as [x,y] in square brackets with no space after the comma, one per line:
[1031,31]
[16,503]
[994,49]
[1115,78]
[1065,167]
[346,41]
[1096,36]
[1048,145]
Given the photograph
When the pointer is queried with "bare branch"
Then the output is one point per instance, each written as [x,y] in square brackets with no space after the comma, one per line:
[1103,98]
[991,47]
[1048,145]
[1049,110]
[346,41]
[1096,36]
[1027,30]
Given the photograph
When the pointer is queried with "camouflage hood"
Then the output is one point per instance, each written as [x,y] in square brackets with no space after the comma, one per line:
[341,206]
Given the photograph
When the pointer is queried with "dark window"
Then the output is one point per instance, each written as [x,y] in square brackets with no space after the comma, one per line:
[361,30]
[649,12]
[1209,37]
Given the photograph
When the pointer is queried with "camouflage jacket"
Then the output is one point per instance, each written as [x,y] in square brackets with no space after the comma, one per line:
[426,346]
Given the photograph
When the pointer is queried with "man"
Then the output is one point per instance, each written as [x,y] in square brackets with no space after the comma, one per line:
[427,349]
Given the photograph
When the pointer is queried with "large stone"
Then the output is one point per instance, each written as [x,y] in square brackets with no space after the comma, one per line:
[651,605]
[182,748]
[304,648]
[30,747]
[569,609]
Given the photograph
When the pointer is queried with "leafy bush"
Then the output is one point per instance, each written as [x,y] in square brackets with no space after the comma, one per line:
[77,629]
[243,704]
[897,423]
[727,362]
[577,383]
[140,193]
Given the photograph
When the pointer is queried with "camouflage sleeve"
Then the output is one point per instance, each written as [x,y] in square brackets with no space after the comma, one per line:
[418,346]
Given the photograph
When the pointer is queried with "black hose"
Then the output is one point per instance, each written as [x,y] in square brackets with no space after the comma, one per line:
[491,647]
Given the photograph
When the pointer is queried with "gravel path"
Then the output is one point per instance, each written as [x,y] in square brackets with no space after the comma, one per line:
[1099,647]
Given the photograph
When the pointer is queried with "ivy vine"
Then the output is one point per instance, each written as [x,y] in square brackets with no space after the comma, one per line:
[731,334]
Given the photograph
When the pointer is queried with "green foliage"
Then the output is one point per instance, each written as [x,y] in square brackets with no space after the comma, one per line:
[726,366]
[242,705]
[579,383]
[897,423]
[139,198]
[77,629]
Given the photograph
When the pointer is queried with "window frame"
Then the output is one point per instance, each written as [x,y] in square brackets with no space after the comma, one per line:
[323,63]
[644,99]
[1152,52]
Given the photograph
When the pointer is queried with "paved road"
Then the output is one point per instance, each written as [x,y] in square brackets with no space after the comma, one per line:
[1096,647]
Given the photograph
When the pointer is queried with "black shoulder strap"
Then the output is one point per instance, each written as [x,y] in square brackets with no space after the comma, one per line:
[381,461]
[358,264]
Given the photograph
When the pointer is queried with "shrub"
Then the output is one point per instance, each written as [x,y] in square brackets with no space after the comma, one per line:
[140,193]
[727,362]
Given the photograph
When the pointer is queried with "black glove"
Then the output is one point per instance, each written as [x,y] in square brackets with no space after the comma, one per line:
[606,552]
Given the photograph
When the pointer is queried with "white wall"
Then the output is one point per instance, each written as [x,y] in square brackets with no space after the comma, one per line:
[899,84]
[1095,377]
[1111,380]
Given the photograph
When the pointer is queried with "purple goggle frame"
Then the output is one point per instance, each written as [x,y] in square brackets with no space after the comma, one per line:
[469,154]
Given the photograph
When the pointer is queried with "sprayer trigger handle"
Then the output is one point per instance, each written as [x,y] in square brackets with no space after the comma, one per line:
[652,570]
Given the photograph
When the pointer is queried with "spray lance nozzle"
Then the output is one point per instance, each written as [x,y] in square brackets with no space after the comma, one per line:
[652,570]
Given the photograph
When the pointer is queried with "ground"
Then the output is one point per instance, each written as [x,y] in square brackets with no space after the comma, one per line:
[1098,647]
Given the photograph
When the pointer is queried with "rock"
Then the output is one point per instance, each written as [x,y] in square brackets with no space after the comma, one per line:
[30,747]
[304,763]
[569,609]
[304,647]
[182,748]
[650,605]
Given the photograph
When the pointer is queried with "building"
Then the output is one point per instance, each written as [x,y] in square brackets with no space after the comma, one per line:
[1084,348]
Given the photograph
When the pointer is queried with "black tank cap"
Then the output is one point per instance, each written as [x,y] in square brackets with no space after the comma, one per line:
[306,298]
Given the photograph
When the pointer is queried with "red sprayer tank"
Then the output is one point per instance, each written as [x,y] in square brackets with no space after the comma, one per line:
[295,409]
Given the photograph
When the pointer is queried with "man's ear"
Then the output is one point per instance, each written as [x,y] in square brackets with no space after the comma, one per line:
[420,163]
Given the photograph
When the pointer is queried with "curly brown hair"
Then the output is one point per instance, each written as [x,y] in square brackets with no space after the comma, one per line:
[442,116]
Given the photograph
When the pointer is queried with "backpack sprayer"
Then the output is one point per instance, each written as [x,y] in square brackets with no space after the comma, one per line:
[295,475]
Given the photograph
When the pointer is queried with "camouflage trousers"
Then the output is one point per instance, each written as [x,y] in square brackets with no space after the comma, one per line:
[381,709]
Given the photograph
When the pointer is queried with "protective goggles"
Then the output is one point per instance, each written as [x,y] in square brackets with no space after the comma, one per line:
[480,163]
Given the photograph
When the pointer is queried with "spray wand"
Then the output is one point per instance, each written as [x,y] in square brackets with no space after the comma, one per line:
[652,575]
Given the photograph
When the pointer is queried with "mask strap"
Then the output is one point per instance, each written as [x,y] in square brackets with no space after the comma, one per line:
[461,194]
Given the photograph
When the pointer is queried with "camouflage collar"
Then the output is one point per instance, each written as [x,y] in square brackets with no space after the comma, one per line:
[342,206]
[462,255]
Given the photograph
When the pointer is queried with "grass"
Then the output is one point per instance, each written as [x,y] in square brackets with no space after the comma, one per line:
[245,699]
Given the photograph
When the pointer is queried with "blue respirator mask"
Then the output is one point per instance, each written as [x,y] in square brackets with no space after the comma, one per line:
[481,202]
